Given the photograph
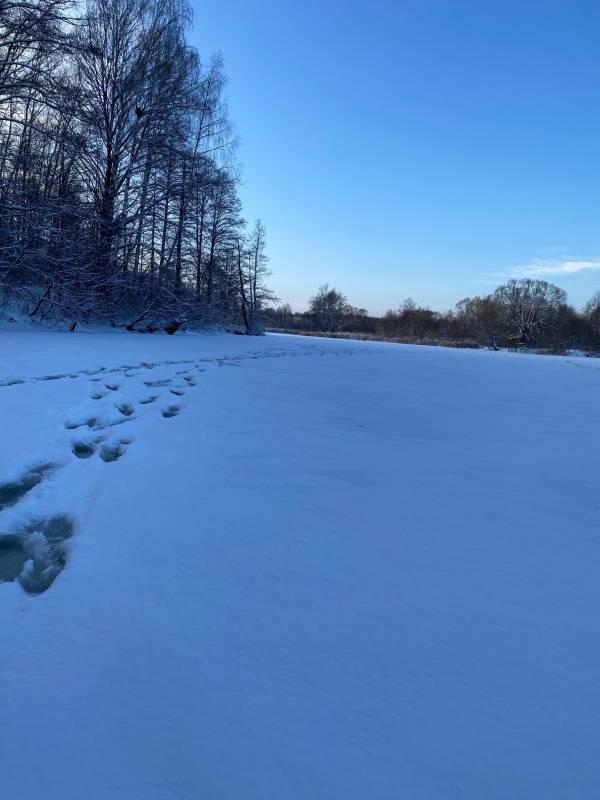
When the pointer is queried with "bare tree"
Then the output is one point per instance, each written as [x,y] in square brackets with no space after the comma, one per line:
[529,307]
[483,318]
[258,271]
[118,194]
[328,307]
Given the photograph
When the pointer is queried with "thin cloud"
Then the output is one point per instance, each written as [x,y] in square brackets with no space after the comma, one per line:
[539,269]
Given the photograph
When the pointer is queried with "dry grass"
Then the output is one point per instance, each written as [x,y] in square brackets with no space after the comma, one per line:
[373,337]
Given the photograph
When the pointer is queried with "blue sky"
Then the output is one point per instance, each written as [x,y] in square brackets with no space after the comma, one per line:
[425,148]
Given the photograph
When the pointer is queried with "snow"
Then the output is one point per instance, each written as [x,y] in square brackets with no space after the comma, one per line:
[340,570]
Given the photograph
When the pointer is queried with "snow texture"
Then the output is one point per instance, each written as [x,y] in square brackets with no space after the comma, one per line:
[296,568]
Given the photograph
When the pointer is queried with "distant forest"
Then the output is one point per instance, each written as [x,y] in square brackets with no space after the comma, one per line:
[118,192]
[519,314]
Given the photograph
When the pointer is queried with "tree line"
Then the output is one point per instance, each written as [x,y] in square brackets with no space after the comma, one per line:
[520,313]
[118,192]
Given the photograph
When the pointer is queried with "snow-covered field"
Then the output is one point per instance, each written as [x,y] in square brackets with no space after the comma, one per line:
[333,570]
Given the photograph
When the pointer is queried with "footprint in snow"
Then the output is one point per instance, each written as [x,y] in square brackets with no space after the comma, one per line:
[84,448]
[12,381]
[125,408]
[171,411]
[56,377]
[157,384]
[91,422]
[12,491]
[37,553]
[112,451]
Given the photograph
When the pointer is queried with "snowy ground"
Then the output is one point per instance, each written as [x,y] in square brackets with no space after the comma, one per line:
[338,570]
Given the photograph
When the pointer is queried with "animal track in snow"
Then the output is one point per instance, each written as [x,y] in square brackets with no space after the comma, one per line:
[150,399]
[12,491]
[177,391]
[125,408]
[114,387]
[36,554]
[171,411]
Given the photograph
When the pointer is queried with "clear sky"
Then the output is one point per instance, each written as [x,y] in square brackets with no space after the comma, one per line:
[424,148]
